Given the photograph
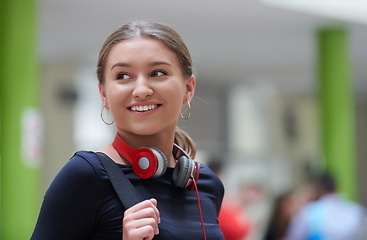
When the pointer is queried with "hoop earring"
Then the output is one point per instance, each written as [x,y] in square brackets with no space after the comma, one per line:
[101,114]
[189,112]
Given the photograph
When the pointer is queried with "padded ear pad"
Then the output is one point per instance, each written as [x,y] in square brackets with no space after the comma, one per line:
[181,176]
[161,160]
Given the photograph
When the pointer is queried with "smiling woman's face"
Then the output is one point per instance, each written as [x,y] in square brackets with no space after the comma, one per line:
[144,86]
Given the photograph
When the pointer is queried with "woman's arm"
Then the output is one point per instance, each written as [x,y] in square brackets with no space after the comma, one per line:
[69,209]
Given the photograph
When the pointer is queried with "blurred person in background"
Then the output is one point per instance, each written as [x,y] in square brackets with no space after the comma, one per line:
[283,209]
[330,217]
[145,77]
[233,220]
[280,216]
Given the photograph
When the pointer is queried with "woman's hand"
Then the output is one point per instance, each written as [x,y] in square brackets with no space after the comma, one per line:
[141,221]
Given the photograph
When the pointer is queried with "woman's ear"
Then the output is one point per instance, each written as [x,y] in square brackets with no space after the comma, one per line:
[190,88]
[102,93]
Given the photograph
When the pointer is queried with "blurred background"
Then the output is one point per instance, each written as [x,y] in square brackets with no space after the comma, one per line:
[281,94]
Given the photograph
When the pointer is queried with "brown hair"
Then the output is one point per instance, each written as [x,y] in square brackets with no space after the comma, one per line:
[168,36]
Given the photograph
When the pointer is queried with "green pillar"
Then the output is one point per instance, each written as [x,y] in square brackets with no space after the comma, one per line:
[19,179]
[337,108]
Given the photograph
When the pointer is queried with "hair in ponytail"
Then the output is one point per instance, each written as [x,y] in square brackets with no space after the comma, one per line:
[183,140]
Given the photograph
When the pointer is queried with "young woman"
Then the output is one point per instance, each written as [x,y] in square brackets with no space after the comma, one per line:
[145,77]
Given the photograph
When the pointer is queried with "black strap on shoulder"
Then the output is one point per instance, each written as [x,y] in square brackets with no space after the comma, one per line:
[127,193]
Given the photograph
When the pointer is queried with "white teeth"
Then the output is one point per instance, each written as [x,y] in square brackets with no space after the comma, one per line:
[143,108]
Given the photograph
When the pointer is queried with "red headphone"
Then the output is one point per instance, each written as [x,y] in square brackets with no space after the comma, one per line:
[149,162]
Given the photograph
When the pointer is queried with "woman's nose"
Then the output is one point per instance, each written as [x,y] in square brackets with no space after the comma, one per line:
[142,88]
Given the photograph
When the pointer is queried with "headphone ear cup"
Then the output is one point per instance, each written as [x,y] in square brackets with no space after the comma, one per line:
[181,173]
[162,162]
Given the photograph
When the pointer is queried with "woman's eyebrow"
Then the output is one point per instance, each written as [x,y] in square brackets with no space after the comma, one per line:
[120,64]
[159,63]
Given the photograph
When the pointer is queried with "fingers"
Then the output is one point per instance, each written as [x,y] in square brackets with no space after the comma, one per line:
[141,221]
[144,208]
[154,202]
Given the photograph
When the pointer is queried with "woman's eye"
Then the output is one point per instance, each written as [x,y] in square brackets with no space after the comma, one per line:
[122,76]
[158,74]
